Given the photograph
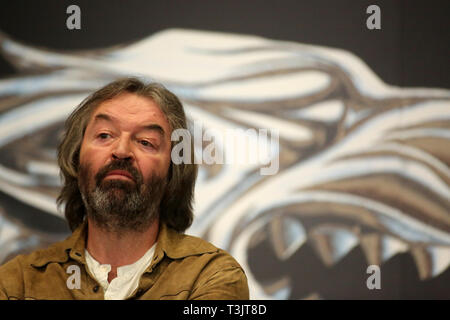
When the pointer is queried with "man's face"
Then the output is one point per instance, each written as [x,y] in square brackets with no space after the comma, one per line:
[124,161]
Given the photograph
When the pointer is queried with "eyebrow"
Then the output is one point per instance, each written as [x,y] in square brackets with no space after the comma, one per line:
[151,127]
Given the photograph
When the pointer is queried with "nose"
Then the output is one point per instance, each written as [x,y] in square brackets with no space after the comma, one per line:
[122,150]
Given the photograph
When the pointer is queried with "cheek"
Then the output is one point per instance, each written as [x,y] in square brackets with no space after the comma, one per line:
[91,157]
[84,177]
[155,166]
[90,164]
[83,155]
[165,163]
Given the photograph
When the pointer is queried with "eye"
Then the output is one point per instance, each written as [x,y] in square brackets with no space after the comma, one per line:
[104,136]
[146,143]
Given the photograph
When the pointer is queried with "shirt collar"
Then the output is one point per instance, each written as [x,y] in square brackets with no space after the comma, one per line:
[170,243]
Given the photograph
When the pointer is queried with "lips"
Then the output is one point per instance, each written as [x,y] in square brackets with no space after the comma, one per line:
[120,174]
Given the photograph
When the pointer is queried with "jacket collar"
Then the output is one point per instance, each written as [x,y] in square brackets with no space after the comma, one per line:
[61,252]
[170,243]
[178,245]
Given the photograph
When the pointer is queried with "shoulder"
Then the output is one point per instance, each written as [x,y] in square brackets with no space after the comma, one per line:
[177,245]
[221,276]
[21,261]
[53,253]
[214,273]
[202,253]
[21,272]
[12,276]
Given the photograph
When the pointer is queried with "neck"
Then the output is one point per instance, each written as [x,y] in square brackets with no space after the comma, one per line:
[119,249]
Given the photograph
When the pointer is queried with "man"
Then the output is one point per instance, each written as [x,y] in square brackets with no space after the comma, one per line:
[128,205]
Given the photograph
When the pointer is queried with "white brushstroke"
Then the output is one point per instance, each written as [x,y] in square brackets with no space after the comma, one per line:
[248,209]
[410,151]
[420,133]
[324,111]
[391,246]
[440,259]
[294,236]
[33,198]
[277,87]
[33,116]
[287,129]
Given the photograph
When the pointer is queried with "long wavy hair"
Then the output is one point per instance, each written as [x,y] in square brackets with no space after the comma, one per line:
[176,205]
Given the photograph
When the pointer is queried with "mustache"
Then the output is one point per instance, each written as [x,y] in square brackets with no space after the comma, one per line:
[119,165]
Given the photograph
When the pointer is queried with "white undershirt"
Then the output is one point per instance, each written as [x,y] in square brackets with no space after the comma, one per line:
[127,279]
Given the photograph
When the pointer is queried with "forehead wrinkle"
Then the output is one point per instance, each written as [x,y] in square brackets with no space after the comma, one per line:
[150,127]
[103,116]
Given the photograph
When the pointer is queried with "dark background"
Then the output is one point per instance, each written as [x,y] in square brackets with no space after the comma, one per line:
[411,49]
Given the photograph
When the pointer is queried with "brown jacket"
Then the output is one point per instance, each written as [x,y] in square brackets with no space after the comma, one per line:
[183,267]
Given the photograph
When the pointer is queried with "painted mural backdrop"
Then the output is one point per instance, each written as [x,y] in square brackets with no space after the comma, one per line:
[363,179]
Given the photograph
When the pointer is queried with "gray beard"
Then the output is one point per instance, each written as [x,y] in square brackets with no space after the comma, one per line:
[120,207]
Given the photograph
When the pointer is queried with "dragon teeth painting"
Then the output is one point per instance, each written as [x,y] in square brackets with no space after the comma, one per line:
[363,166]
